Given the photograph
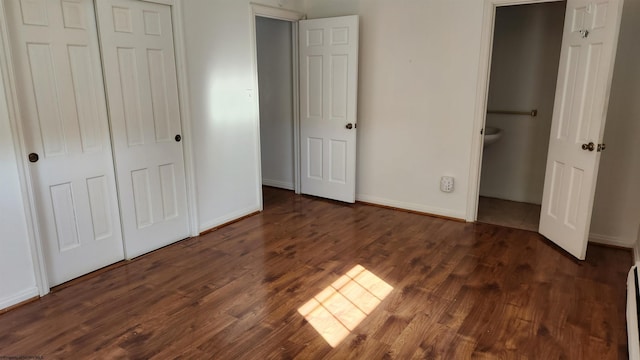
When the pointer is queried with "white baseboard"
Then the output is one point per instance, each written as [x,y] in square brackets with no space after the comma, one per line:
[610,240]
[228,217]
[411,206]
[19,297]
[279,184]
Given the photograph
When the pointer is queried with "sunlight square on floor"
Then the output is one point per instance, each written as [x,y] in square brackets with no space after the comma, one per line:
[341,306]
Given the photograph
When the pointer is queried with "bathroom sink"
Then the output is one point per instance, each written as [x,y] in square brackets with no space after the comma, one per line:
[491,135]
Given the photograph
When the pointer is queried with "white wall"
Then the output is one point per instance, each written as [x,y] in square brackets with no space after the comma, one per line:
[616,212]
[224,114]
[275,78]
[17,277]
[524,68]
[417,91]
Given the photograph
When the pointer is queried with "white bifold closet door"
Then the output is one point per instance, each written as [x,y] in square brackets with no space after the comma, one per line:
[56,60]
[140,73]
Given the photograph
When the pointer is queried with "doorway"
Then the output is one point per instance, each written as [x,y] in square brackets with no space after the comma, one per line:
[325,61]
[527,41]
[275,42]
[274,53]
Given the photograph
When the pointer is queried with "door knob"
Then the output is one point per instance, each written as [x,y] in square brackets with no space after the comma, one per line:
[178,138]
[584,33]
[590,146]
[349,126]
[33,157]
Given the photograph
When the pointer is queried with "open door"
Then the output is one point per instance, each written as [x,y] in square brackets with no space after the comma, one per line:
[587,57]
[328,107]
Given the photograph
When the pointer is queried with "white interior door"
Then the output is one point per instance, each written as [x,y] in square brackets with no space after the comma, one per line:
[582,93]
[328,107]
[142,92]
[54,46]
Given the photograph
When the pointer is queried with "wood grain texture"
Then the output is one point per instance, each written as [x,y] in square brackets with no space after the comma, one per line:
[459,291]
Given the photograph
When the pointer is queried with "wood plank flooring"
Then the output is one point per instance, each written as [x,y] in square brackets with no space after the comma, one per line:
[459,291]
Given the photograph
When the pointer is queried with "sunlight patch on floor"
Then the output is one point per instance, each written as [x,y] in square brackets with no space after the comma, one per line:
[341,306]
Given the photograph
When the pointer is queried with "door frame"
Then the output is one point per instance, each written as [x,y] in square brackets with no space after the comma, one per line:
[26,181]
[293,17]
[482,96]
[184,99]
[18,131]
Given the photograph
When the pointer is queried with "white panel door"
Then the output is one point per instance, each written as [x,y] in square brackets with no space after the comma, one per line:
[56,60]
[582,93]
[328,107]
[142,92]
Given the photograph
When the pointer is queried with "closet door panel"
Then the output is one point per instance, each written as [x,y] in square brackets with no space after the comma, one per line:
[56,59]
[142,91]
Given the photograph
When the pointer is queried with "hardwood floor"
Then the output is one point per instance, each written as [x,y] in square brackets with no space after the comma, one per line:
[458,290]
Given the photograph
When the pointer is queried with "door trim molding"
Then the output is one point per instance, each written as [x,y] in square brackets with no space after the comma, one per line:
[17,133]
[275,13]
[185,114]
[482,93]
[296,104]
[293,17]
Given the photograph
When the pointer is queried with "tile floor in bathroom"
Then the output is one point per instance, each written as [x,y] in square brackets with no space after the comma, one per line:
[509,213]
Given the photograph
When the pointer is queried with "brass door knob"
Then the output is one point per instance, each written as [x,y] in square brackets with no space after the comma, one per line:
[33,157]
[349,126]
